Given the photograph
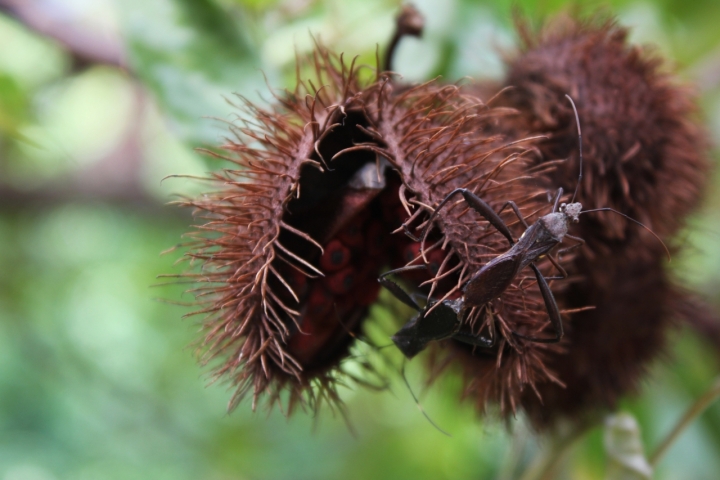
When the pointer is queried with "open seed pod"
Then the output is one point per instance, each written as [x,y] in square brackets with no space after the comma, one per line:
[291,242]
[645,156]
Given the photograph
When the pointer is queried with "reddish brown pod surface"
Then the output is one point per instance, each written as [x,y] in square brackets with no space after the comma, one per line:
[645,156]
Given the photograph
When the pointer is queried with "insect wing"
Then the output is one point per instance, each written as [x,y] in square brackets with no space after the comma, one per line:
[491,281]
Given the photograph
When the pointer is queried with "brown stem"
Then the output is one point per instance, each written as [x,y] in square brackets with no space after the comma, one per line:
[408,22]
[705,400]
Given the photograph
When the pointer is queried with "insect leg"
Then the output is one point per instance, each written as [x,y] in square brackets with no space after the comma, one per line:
[476,339]
[563,251]
[556,260]
[409,234]
[515,208]
[569,249]
[552,309]
[406,227]
[556,264]
[396,290]
[477,204]
[580,243]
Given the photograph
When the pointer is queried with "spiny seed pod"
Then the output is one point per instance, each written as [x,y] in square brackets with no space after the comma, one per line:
[439,139]
[645,154]
[283,244]
[646,157]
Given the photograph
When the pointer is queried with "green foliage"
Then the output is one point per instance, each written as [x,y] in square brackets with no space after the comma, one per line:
[192,55]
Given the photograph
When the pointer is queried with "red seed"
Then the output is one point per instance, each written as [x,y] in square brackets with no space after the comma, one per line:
[340,283]
[306,344]
[335,257]
[435,259]
[319,302]
[368,292]
[345,304]
[411,252]
[395,216]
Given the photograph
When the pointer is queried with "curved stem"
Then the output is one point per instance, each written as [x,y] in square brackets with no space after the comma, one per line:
[705,400]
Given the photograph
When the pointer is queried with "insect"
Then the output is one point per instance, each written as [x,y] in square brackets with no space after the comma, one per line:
[436,321]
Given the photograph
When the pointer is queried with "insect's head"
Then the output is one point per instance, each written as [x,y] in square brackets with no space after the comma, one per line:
[428,325]
[571,210]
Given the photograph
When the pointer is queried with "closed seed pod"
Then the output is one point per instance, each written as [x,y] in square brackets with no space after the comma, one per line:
[645,153]
[646,156]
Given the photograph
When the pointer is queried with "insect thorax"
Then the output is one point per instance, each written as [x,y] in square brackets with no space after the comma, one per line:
[556,225]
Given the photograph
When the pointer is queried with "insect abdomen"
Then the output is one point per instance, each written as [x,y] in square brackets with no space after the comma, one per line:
[491,281]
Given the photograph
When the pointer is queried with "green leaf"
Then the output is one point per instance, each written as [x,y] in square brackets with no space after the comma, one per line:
[14,110]
[193,55]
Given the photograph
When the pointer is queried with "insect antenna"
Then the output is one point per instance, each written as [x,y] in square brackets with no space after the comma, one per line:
[577,122]
[605,209]
[417,402]
[365,340]
[608,209]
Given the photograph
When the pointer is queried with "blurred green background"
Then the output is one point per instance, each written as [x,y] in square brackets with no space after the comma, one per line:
[100,99]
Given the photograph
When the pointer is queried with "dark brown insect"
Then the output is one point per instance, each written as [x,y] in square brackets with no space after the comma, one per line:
[436,321]
[438,139]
